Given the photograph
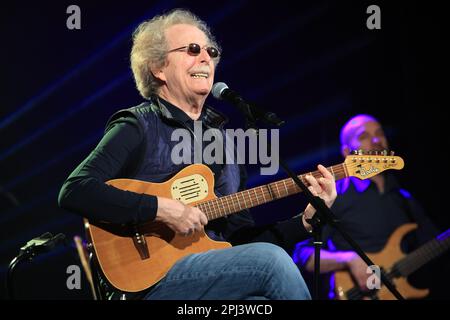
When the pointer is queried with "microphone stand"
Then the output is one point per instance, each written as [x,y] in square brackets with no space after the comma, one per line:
[34,247]
[323,214]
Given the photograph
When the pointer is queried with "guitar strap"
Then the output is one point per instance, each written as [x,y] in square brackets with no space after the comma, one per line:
[406,207]
[411,240]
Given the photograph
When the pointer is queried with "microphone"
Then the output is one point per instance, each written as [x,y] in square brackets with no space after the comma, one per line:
[221,91]
[44,243]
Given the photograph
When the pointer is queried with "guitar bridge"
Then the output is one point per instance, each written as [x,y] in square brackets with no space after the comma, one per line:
[141,244]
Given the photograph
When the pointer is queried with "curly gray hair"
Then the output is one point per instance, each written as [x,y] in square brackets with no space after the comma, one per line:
[150,46]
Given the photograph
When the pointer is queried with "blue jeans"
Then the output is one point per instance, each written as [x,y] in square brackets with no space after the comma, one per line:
[250,271]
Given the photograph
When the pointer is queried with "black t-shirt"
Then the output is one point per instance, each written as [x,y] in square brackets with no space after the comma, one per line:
[370,217]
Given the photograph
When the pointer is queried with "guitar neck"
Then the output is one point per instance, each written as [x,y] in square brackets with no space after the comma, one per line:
[423,255]
[249,198]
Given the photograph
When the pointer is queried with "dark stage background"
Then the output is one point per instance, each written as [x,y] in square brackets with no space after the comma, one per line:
[315,63]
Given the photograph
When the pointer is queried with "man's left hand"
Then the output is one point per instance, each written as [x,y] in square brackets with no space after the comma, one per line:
[324,187]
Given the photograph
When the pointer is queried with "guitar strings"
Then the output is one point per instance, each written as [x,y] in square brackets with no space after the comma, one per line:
[218,207]
[421,256]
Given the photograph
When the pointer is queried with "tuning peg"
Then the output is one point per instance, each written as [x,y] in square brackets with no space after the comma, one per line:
[384,152]
[355,152]
[360,152]
[392,153]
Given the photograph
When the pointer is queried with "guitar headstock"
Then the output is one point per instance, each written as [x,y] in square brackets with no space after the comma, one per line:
[366,164]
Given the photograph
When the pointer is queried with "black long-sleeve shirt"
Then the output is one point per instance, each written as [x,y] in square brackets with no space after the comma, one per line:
[85,192]
[370,217]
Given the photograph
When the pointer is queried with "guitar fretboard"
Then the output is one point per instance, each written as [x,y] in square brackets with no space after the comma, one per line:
[249,198]
[424,254]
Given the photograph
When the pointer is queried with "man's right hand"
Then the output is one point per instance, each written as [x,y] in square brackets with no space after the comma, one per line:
[358,269]
[180,217]
[341,260]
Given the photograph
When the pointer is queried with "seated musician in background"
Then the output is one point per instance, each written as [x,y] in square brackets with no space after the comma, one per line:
[173,60]
[369,210]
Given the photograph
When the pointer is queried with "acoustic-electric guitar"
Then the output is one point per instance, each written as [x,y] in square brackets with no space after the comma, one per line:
[133,258]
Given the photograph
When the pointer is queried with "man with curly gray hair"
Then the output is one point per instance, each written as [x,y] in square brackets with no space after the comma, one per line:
[151,47]
[173,59]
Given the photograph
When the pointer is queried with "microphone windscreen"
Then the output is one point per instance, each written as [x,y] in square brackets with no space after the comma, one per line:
[217,90]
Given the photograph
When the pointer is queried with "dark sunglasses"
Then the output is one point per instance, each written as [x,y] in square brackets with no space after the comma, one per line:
[194,49]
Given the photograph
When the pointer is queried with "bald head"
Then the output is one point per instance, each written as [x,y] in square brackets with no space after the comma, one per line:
[362,132]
